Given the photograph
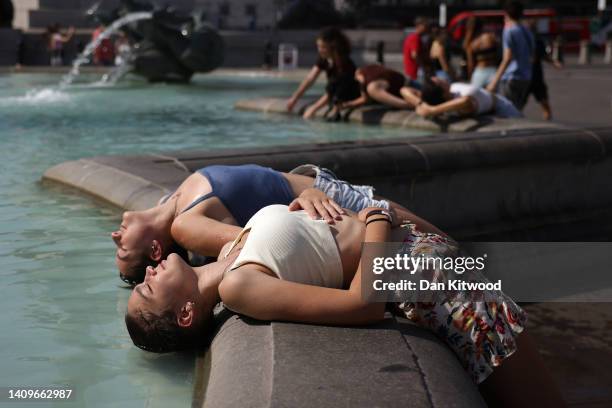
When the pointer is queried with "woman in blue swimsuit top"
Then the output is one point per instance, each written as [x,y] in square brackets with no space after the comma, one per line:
[213,204]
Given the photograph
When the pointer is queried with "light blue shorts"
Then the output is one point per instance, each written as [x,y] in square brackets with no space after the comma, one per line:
[482,76]
[349,196]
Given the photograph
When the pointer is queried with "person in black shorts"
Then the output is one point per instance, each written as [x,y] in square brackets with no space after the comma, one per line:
[538,87]
[334,59]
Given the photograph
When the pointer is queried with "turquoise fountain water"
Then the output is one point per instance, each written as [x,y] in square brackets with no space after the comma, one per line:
[62,303]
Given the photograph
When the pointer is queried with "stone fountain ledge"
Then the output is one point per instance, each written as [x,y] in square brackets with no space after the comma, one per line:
[503,185]
[381,115]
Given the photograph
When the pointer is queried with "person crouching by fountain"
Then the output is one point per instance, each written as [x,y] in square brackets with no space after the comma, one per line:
[383,85]
[55,43]
[209,208]
[334,58]
[439,97]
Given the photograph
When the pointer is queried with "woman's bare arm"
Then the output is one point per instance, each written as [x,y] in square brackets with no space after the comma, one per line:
[312,109]
[304,85]
[464,105]
[202,235]
[411,95]
[253,293]
[507,58]
[68,36]
[361,100]
[444,62]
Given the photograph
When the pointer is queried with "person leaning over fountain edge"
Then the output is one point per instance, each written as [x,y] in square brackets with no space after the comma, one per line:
[284,266]
[439,97]
[209,208]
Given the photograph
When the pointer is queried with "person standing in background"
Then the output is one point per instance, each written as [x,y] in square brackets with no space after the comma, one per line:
[538,87]
[104,53]
[413,48]
[55,43]
[482,53]
[514,72]
[439,56]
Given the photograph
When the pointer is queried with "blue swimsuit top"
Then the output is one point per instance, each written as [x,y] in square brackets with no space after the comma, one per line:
[245,189]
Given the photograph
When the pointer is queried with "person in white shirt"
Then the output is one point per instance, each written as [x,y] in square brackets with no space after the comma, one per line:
[439,97]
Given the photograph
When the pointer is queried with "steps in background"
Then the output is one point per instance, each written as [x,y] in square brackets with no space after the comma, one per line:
[38,14]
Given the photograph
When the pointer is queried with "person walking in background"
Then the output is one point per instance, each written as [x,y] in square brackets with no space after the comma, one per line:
[538,87]
[334,58]
[514,73]
[55,43]
[482,53]
[413,48]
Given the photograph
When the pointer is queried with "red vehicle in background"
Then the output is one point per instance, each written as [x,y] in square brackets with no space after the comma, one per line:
[571,29]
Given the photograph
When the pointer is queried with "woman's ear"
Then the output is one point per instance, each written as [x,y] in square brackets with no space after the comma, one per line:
[185,318]
[156,251]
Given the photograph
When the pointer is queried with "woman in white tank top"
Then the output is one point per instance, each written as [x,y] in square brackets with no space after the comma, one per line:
[286,266]
[439,97]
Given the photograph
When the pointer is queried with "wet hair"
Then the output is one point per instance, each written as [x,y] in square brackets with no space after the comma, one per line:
[339,46]
[514,9]
[158,333]
[135,272]
[432,93]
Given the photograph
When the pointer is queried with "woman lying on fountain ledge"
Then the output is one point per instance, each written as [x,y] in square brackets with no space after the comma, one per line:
[286,266]
[213,204]
[438,98]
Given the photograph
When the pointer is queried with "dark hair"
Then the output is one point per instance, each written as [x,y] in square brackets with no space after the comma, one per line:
[158,334]
[432,93]
[420,20]
[514,9]
[478,26]
[135,273]
[339,45]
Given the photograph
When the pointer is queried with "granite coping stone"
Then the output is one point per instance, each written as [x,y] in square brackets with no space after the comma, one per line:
[390,364]
[452,179]
[381,115]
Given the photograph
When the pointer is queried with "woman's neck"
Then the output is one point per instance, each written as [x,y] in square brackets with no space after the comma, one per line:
[211,275]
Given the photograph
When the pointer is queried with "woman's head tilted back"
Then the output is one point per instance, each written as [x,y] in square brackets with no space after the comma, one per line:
[435,91]
[332,43]
[167,312]
[139,244]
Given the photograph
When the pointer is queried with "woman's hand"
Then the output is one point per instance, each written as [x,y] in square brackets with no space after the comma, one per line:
[424,109]
[317,205]
[291,104]
[309,112]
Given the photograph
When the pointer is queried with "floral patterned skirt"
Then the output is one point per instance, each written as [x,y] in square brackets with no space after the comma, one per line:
[482,334]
